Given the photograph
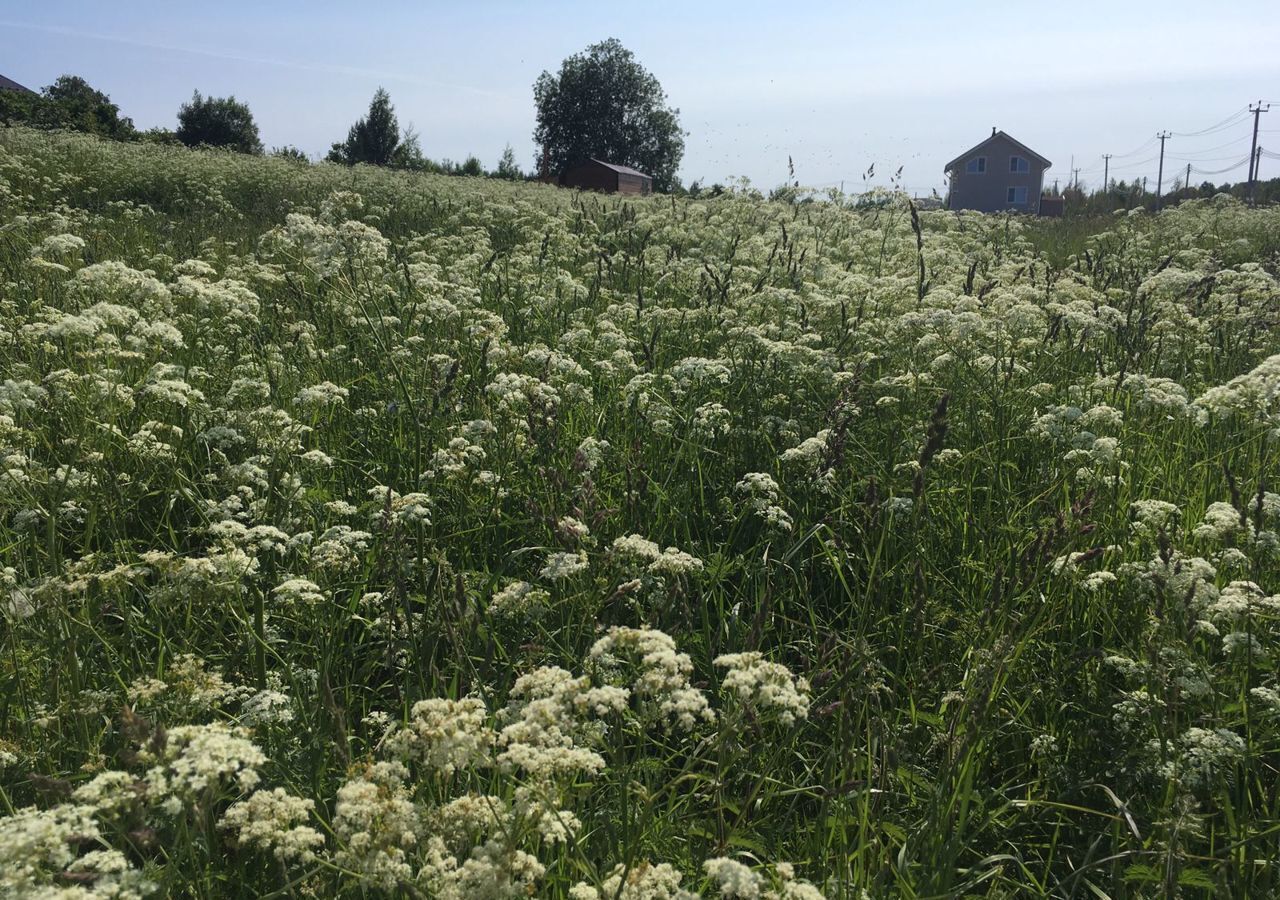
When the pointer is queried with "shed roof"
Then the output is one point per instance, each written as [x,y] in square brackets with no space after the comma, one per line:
[8,84]
[1021,146]
[622,170]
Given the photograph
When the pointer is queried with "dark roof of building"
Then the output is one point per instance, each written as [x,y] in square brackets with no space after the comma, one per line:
[995,134]
[8,84]
[621,170]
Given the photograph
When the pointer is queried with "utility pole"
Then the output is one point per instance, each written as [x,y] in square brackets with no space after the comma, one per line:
[1076,179]
[1106,172]
[1164,136]
[1253,151]
[1187,183]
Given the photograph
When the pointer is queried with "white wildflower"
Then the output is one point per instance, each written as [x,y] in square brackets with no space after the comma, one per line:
[268,821]
[197,759]
[767,688]
[443,735]
[733,878]
[298,592]
[661,674]
[517,599]
[324,395]
[560,566]
[267,707]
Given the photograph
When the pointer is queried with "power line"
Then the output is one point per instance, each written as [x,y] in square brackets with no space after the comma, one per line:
[1136,165]
[1135,152]
[1232,119]
[1203,159]
[1231,168]
[1239,140]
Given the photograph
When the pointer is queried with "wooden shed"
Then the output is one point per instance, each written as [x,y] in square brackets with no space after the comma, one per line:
[1053,207]
[597,175]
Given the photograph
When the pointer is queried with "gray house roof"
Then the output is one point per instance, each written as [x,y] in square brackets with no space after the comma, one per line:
[622,170]
[8,84]
[995,134]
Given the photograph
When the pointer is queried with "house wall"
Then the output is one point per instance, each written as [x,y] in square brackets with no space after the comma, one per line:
[590,177]
[631,184]
[989,192]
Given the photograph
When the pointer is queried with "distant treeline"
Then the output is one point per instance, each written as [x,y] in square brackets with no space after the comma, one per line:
[71,103]
[1132,195]
[628,123]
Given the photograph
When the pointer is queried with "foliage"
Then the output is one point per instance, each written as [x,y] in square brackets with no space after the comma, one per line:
[71,103]
[218,122]
[696,190]
[603,104]
[375,139]
[159,135]
[1123,195]
[374,533]
[290,152]
[18,108]
[508,168]
[408,153]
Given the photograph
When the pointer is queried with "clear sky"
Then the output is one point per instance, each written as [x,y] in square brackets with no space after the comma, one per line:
[837,86]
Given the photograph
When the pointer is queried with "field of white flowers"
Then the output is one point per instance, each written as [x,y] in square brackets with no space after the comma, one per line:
[372,534]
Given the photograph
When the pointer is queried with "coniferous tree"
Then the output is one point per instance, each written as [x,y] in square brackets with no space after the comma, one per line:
[507,166]
[373,139]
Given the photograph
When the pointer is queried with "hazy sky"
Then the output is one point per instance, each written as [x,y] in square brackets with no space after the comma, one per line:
[836,86]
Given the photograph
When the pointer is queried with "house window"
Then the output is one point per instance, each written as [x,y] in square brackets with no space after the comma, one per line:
[976,166]
[1017,196]
[1019,164]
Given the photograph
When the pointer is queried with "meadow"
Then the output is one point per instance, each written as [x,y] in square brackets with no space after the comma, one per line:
[365,533]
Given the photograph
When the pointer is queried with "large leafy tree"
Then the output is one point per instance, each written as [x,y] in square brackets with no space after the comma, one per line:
[19,107]
[70,102]
[604,104]
[218,122]
[375,138]
[87,109]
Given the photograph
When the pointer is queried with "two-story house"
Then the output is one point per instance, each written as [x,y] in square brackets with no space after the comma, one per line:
[999,174]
